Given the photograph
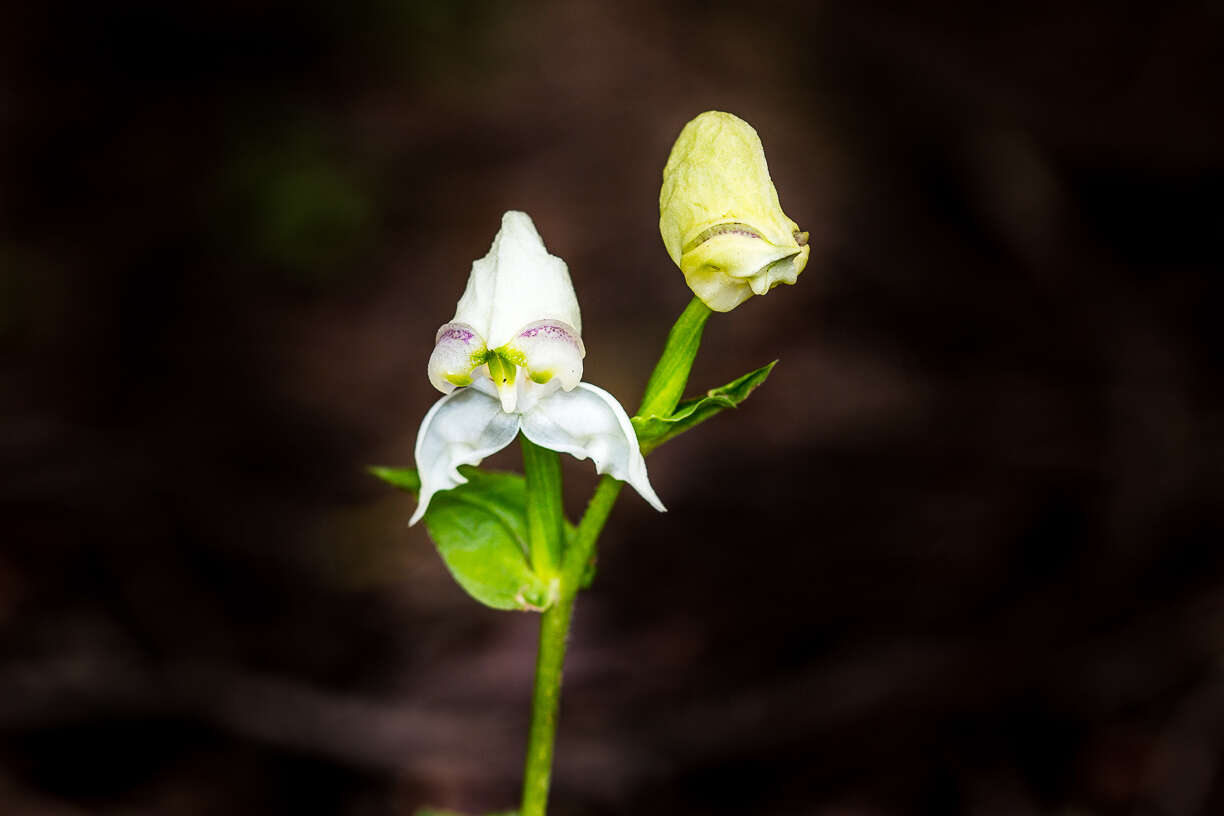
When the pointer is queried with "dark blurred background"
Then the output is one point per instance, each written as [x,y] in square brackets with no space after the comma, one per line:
[960,555]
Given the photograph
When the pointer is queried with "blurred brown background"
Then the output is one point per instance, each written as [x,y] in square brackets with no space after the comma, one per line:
[960,555]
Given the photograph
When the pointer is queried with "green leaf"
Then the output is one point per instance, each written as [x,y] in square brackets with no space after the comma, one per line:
[653,431]
[480,530]
[406,479]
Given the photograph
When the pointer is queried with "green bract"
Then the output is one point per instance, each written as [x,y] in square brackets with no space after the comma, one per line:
[654,430]
[720,217]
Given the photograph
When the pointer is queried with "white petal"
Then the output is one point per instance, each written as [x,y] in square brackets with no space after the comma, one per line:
[548,349]
[588,421]
[517,283]
[462,428]
[526,392]
[458,352]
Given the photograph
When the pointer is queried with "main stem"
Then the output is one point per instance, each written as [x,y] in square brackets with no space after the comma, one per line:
[663,392]
[554,629]
[545,536]
[545,703]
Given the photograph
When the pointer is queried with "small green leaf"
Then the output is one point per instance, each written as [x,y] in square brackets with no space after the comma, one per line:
[653,431]
[480,530]
[406,479]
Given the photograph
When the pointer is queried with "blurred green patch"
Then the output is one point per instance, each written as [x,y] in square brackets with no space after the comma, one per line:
[289,203]
[438,41]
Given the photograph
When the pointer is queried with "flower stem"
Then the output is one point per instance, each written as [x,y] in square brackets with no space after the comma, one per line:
[545,530]
[582,547]
[671,373]
[663,392]
[545,703]
[554,629]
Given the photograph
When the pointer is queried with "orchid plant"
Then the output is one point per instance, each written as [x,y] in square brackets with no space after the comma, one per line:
[509,365]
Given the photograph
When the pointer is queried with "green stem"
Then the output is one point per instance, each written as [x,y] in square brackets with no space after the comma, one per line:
[545,703]
[663,392]
[671,373]
[545,534]
[582,547]
[554,629]
[545,528]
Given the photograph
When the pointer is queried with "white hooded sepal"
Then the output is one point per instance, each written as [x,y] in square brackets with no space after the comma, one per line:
[588,422]
[517,283]
[462,428]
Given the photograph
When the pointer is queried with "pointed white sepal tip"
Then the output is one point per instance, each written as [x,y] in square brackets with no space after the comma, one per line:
[641,484]
[422,506]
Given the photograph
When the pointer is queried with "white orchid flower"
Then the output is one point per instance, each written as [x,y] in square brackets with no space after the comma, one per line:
[511,359]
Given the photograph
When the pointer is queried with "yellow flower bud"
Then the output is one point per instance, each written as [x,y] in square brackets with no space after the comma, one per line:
[720,217]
